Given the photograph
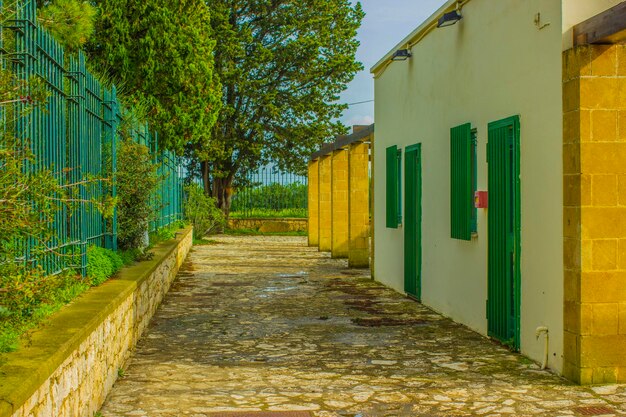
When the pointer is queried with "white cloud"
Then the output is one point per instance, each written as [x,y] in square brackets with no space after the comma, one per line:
[360,120]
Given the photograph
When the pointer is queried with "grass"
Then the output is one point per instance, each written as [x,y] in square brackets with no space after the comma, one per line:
[299,213]
[254,232]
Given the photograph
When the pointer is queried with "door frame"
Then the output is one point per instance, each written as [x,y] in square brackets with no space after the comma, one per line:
[416,292]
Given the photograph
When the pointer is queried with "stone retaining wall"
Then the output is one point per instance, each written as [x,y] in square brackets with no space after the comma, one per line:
[290,224]
[70,365]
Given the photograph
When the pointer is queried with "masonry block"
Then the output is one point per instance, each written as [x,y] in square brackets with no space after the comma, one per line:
[603,60]
[604,125]
[313,203]
[325,204]
[604,254]
[594,213]
[340,217]
[599,93]
[605,319]
[359,233]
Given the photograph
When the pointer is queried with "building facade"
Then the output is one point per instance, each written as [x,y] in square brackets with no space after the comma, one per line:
[473,183]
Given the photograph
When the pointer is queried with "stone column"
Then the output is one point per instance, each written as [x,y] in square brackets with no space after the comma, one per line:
[313,204]
[358,206]
[594,213]
[340,242]
[325,203]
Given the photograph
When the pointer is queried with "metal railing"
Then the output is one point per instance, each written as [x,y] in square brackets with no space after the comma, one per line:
[75,136]
[271,192]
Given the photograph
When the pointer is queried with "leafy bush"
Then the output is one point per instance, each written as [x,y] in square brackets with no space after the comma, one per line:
[27,296]
[201,210]
[137,181]
[272,197]
[102,263]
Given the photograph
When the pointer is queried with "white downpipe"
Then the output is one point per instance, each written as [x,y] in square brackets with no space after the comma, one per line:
[538,332]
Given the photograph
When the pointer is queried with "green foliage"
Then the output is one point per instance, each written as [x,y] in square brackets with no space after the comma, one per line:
[130,256]
[71,22]
[102,264]
[283,65]
[28,296]
[202,212]
[161,53]
[296,213]
[137,181]
[276,197]
[166,233]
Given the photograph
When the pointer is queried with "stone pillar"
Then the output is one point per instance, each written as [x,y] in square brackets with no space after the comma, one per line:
[325,203]
[340,239]
[313,204]
[358,206]
[594,213]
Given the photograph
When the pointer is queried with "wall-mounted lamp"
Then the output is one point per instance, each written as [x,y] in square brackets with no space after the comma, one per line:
[401,55]
[449,19]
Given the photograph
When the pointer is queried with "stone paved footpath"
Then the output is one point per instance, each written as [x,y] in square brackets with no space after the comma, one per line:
[268,324]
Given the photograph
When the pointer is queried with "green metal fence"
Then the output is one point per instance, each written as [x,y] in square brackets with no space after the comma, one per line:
[75,136]
[270,192]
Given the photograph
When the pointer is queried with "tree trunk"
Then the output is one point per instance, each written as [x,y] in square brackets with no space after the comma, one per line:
[222,191]
[206,179]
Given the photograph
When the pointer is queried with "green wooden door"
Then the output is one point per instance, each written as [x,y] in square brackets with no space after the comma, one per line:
[413,222]
[503,303]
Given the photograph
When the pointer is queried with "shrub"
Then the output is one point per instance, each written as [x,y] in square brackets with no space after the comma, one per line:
[201,210]
[27,296]
[137,181]
[270,197]
[101,264]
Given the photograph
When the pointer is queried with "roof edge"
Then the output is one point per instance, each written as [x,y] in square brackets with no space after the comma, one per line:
[417,34]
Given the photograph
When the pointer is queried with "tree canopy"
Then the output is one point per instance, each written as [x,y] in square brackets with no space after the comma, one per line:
[160,54]
[282,65]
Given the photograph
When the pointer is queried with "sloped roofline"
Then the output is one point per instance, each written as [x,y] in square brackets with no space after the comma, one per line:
[417,35]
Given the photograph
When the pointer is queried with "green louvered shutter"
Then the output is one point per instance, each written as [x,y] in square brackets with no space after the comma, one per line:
[392,187]
[461,198]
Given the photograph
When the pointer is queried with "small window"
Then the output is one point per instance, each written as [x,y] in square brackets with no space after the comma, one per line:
[393,187]
[463,172]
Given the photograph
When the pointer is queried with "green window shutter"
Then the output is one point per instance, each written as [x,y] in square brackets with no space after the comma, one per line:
[392,187]
[461,183]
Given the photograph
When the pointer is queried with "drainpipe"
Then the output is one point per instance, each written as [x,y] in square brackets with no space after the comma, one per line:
[538,332]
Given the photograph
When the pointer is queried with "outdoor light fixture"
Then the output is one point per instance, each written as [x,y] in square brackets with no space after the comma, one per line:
[449,19]
[401,55]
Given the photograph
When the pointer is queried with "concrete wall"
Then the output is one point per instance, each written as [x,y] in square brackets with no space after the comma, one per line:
[70,365]
[493,64]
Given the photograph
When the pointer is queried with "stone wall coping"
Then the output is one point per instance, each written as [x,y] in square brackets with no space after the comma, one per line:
[22,372]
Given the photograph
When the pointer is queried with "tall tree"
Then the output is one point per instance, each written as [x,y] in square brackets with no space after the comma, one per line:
[71,22]
[161,53]
[282,64]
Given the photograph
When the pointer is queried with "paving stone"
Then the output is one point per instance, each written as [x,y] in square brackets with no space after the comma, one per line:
[268,324]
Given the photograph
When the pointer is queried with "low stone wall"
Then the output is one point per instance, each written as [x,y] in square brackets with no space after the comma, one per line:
[291,224]
[69,366]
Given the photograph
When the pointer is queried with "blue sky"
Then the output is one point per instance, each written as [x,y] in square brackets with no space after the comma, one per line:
[386,23]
